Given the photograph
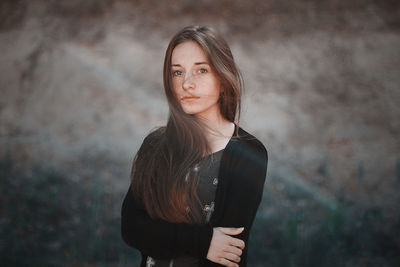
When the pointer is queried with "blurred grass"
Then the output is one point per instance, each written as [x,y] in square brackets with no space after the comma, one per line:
[311,234]
[49,219]
[52,219]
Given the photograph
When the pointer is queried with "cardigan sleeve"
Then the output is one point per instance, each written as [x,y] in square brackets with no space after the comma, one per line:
[246,173]
[159,238]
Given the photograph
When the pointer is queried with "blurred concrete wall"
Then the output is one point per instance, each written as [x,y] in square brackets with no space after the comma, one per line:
[81,85]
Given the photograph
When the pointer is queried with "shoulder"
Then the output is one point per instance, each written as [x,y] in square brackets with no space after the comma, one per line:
[246,145]
[152,140]
[246,163]
[155,135]
[246,156]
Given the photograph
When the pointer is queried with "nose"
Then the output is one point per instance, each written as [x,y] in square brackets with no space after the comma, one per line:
[188,83]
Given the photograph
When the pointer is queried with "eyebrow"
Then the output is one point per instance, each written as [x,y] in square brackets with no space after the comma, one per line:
[196,63]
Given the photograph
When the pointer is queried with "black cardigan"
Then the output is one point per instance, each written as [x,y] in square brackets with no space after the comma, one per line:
[240,187]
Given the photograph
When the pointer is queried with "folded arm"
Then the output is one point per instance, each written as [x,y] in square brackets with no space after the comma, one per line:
[247,177]
[159,238]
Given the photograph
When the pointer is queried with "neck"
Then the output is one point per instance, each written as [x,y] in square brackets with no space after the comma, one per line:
[218,130]
[216,123]
[213,120]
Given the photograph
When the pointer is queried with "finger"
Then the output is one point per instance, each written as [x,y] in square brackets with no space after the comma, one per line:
[231,257]
[237,242]
[231,230]
[227,263]
[235,250]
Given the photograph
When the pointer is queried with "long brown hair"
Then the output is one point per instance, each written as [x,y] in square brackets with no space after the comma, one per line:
[162,172]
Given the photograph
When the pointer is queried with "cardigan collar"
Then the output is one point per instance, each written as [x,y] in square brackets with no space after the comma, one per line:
[223,179]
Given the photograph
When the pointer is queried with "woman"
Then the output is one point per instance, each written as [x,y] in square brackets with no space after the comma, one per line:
[196,183]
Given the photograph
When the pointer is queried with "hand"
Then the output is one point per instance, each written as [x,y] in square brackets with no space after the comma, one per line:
[224,249]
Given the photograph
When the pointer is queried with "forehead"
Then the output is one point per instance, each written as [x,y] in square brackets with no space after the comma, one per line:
[188,52]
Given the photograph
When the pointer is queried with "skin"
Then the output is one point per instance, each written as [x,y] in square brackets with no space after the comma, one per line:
[194,77]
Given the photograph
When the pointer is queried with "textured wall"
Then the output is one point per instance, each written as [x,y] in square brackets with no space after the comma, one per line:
[81,85]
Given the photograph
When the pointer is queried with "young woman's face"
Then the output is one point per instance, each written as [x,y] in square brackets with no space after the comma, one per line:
[195,84]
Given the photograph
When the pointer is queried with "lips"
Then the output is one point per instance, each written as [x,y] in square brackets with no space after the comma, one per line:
[189,97]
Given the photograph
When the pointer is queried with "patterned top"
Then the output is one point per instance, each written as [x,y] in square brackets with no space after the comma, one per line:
[206,189]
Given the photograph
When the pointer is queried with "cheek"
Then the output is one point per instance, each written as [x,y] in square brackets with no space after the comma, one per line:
[176,85]
[214,90]
[175,93]
[216,86]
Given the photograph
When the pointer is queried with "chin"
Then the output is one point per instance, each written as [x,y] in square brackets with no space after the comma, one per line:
[190,112]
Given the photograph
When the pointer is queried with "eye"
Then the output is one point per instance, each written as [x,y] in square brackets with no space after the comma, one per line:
[176,73]
[202,70]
